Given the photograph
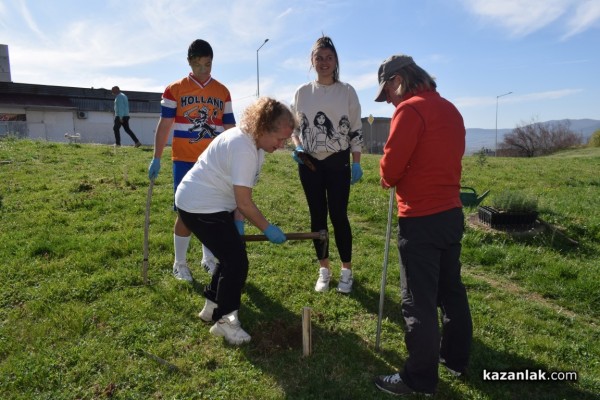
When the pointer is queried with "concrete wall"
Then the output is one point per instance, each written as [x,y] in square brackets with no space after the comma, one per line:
[96,127]
[375,135]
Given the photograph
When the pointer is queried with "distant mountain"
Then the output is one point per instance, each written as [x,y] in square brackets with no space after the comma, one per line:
[478,138]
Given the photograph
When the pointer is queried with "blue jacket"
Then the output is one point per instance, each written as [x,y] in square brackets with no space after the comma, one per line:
[121,105]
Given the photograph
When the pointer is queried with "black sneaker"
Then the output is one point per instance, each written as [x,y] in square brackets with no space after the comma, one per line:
[393,384]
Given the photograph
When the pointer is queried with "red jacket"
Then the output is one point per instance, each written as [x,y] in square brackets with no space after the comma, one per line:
[422,156]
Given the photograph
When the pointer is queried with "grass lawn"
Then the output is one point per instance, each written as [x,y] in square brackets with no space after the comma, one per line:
[77,322]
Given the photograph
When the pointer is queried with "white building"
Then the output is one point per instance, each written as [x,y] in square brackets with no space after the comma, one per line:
[49,112]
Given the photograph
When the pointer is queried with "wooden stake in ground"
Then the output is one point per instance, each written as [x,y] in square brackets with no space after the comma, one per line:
[146,233]
[306,332]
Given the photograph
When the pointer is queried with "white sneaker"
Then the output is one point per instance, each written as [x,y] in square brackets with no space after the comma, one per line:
[322,284]
[209,265]
[345,283]
[230,328]
[182,272]
[207,312]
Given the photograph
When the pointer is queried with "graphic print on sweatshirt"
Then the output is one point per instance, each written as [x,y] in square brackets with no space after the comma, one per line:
[323,137]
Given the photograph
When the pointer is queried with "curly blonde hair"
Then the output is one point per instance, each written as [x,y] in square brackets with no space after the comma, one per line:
[266,115]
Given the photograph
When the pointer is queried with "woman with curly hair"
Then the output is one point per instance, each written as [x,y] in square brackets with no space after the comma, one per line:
[215,197]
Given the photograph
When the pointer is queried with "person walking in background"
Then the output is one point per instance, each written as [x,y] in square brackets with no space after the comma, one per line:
[198,108]
[215,196]
[122,117]
[327,188]
[422,160]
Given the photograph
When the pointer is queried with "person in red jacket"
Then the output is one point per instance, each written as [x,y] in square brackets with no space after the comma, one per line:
[422,161]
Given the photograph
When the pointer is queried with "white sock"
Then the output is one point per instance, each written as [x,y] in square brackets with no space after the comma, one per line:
[181,247]
[207,255]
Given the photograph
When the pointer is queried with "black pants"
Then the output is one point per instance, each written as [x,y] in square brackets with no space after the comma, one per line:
[328,190]
[125,125]
[218,232]
[429,250]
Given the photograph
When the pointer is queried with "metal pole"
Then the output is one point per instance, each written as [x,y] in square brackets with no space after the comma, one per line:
[388,234]
[497,97]
[257,77]
[146,233]
[371,126]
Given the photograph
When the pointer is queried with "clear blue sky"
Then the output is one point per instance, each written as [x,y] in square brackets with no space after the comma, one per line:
[544,51]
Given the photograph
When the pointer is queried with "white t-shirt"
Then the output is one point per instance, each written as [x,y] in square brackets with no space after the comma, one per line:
[329,118]
[232,158]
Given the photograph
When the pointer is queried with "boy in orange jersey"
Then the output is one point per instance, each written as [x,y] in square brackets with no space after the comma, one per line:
[196,108]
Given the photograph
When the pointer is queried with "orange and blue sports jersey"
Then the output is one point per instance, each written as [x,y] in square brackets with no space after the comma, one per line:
[200,111]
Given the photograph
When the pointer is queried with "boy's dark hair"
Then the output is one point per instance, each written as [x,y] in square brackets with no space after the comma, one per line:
[200,48]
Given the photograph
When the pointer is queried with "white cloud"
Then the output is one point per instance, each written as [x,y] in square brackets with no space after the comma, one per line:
[285,13]
[586,16]
[522,17]
[30,21]
[472,102]
[548,95]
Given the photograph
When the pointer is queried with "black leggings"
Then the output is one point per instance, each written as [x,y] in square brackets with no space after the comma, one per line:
[328,190]
[218,233]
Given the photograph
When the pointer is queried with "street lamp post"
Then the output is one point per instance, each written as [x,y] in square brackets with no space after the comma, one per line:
[497,97]
[257,77]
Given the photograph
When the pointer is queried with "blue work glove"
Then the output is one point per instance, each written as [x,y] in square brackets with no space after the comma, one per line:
[274,234]
[154,169]
[357,173]
[240,226]
[299,149]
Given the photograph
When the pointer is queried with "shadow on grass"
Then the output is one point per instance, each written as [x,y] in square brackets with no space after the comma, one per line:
[483,358]
[341,366]
[370,301]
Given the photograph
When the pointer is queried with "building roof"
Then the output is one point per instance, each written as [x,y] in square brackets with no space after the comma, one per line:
[80,99]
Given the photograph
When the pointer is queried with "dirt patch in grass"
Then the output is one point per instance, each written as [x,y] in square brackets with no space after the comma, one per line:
[272,336]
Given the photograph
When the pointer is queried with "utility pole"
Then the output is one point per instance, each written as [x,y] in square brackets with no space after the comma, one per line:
[257,76]
[497,97]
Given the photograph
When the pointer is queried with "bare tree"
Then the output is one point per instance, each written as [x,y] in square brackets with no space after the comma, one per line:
[538,139]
